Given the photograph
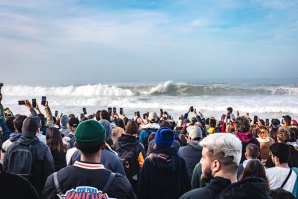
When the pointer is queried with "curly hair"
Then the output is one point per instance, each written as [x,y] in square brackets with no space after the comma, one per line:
[242,124]
[283,135]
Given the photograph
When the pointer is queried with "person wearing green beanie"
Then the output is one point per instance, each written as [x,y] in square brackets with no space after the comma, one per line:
[87,176]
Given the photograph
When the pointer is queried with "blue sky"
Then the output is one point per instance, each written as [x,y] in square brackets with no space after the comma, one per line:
[72,41]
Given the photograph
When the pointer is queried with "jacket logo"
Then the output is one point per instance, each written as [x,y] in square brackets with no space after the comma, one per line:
[85,192]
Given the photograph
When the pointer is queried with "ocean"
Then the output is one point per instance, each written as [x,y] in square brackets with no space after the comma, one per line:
[265,98]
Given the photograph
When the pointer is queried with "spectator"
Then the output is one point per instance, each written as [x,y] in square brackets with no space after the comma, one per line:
[42,160]
[192,152]
[281,176]
[88,177]
[246,137]
[57,147]
[164,173]
[220,158]
[131,152]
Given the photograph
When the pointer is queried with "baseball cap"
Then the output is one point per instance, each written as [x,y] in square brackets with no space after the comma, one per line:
[73,122]
[152,117]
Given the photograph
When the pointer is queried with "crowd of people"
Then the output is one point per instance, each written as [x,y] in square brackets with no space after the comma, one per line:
[107,155]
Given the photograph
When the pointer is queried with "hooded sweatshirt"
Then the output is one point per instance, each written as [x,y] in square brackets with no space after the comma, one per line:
[246,138]
[164,175]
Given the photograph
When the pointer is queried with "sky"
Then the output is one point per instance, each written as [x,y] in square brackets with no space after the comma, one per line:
[97,41]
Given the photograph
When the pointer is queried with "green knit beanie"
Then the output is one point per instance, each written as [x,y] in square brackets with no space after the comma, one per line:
[90,133]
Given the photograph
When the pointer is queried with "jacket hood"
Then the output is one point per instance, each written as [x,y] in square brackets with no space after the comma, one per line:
[245,137]
[28,141]
[165,159]
[15,136]
[127,141]
[250,187]
[194,143]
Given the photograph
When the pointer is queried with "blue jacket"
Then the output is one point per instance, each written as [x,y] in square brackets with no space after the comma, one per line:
[109,159]
[5,129]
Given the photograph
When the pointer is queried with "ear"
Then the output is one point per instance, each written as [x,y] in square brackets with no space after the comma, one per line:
[215,166]
[103,146]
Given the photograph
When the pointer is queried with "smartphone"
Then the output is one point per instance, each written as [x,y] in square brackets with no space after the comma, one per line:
[34,103]
[161,111]
[84,111]
[144,116]
[191,109]
[110,110]
[267,122]
[114,110]
[56,113]
[82,116]
[138,114]
[43,100]
[22,102]
[255,119]
[121,111]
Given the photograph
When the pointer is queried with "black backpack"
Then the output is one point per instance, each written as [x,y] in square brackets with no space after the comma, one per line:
[22,158]
[130,163]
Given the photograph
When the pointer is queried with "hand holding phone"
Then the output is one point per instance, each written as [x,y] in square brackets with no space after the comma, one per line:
[34,103]
[43,100]
[84,111]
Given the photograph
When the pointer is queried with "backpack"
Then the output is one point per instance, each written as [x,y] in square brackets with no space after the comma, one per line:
[22,158]
[130,164]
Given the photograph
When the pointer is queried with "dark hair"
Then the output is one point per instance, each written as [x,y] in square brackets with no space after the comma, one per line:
[283,135]
[131,127]
[9,123]
[97,116]
[105,115]
[88,149]
[242,124]
[254,168]
[273,134]
[252,151]
[295,130]
[193,120]
[230,109]
[165,123]
[281,194]
[212,122]
[54,140]
[282,151]
[18,122]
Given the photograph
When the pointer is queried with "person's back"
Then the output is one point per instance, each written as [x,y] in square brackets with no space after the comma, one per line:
[248,188]
[192,152]
[90,179]
[164,173]
[15,187]
[42,164]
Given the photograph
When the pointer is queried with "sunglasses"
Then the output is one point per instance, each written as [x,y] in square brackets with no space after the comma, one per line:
[271,154]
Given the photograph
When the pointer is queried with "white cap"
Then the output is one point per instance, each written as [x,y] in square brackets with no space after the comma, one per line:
[194,132]
[152,116]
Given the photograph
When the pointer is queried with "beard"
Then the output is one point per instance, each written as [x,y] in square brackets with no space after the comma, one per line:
[206,176]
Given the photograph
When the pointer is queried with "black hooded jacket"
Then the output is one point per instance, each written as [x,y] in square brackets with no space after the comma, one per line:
[164,175]
[248,188]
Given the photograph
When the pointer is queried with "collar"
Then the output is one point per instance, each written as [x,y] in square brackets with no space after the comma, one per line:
[86,165]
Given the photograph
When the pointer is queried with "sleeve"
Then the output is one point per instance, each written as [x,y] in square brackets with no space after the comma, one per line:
[199,119]
[196,175]
[5,129]
[144,182]
[2,113]
[185,177]
[185,116]
[141,137]
[33,112]
[48,166]
[49,116]
[118,167]
[49,191]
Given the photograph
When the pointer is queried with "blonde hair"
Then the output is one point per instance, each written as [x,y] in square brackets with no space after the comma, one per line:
[225,143]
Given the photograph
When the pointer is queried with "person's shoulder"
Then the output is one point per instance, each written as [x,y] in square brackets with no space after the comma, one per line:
[196,193]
